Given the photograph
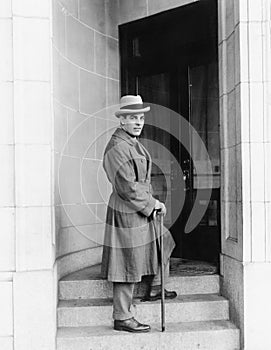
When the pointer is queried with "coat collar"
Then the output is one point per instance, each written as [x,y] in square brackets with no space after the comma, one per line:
[120,133]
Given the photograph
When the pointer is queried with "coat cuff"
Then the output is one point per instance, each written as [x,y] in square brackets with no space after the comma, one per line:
[149,208]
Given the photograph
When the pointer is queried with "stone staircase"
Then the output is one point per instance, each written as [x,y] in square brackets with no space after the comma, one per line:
[197,319]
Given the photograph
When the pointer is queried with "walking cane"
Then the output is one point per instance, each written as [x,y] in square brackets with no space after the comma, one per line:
[160,219]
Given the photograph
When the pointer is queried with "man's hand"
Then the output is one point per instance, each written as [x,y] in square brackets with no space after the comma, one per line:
[160,206]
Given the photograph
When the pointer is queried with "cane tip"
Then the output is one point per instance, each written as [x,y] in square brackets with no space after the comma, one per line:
[163,329]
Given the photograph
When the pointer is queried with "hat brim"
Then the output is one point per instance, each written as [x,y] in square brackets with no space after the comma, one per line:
[131,111]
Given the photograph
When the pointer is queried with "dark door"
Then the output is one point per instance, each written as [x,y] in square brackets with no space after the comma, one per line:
[171,60]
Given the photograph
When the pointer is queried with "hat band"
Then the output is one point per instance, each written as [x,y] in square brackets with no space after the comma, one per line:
[134,106]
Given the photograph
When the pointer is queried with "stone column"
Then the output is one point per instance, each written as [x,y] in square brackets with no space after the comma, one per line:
[7,205]
[244,64]
[34,292]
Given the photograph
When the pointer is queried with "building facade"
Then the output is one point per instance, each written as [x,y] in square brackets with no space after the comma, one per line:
[59,78]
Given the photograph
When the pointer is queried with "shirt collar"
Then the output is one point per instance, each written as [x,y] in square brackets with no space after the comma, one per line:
[122,134]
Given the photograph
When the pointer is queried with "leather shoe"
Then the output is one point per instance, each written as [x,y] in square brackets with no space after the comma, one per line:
[131,325]
[156,295]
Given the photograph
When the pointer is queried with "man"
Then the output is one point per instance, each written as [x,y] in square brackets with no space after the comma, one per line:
[130,245]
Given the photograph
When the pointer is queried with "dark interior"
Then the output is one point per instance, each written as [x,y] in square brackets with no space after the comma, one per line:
[171,59]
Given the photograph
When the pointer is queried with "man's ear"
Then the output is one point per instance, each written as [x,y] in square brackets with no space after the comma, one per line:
[122,119]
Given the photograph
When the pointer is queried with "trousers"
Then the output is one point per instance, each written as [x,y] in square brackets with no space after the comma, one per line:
[123,295]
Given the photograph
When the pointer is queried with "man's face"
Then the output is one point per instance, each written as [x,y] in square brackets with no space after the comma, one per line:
[133,123]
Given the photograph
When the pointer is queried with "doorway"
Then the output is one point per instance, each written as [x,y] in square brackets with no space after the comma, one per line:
[171,60]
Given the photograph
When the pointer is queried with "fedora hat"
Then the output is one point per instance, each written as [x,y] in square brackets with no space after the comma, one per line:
[131,104]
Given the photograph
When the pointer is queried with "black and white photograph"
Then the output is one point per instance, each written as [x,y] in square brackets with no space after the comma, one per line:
[135,174]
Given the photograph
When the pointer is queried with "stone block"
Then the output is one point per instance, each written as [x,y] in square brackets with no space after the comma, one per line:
[31,42]
[222,58]
[101,137]
[242,10]
[244,112]
[6,306]
[231,174]
[267,167]
[232,288]
[221,21]
[33,182]
[230,61]
[231,220]
[6,113]
[92,92]
[100,53]
[6,343]
[131,10]
[5,8]
[92,13]
[112,13]
[69,186]
[255,52]
[59,31]
[113,95]
[239,171]
[7,175]
[74,239]
[256,112]
[246,175]
[246,227]
[101,212]
[60,128]
[155,6]
[70,7]
[66,81]
[268,230]
[258,238]
[255,10]
[93,187]
[238,121]
[256,303]
[34,310]
[80,43]
[76,215]
[32,112]
[230,21]
[257,172]
[81,135]
[6,57]
[33,238]
[7,239]
[241,53]
[56,195]
[78,260]
[31,8]
[231,119]
[112,58]
[223,121]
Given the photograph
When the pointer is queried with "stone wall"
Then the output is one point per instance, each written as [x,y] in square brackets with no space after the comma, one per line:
[86,81]
[244,57]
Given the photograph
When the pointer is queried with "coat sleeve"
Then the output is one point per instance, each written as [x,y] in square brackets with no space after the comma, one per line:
[120,170]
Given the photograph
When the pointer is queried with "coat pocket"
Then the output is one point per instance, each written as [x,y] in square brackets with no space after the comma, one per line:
[141,168]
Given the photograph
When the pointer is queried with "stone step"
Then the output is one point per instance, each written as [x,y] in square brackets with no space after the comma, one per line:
[186,308]
[98,288]
[208,335]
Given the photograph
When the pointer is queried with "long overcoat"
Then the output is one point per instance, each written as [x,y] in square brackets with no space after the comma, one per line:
[131,248]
